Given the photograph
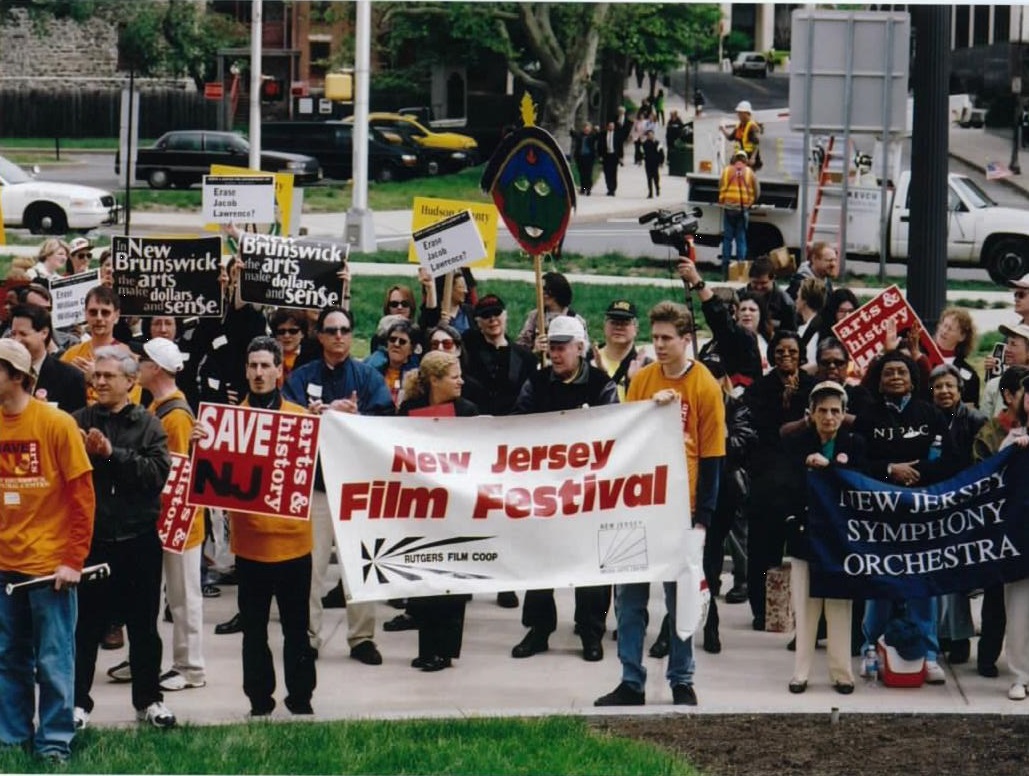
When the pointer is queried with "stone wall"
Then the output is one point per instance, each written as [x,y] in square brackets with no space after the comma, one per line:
[61,51]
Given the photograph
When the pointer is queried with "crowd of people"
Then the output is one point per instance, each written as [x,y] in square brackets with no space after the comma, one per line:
[92,415]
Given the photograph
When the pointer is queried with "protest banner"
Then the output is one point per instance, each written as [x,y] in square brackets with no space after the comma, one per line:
[863,332]
[424,506]
[287,272]
[289,206]
[68,296]
[176,514]
[253,460]
[875,540]
[449,244]
[239,199]
[428,210]
[168,275]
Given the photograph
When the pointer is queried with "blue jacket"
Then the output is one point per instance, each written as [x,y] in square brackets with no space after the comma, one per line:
[373,397]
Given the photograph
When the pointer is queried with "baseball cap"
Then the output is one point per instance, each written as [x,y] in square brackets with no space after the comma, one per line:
[1022,282]
[621,309]
[79,244]
[164,353]
[489,305]
[565,328]
[17,355]
[744,106]
[1015,330]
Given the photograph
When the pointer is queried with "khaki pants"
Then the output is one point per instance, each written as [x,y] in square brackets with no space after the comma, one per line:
[182,587]
[806,612]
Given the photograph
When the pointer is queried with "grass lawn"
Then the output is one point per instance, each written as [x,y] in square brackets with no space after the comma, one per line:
[558,745]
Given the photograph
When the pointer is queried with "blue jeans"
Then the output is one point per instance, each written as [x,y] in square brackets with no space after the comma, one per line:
[631,614]
[734,229]
[37,645]
[921,611]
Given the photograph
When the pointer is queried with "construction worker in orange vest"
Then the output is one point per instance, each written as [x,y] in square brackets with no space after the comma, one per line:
[738,190]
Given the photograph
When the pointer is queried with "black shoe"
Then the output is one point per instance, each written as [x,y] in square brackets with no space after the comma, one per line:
[418,662]
[534,641]
[797,686]
[507,600]
[758,623]
[262,709]
[960,650]
[592,650]
[210,591]
[683,695]
[367,653]
[843,688]
[335,599]
[435,663]
[712,643]
[792,646]
[737,595]
[622,695]
[402,622]
[989,671]
[299,707]
[235,625]
[659,648]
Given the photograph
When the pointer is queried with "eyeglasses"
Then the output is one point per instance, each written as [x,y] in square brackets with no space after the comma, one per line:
[81,255]
[488,315]
[833,362]
[443,344]
[399,303]
[1020,294]
[288,330]
[399,341]
[334,331]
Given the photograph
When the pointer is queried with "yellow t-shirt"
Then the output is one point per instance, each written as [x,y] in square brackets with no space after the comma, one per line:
[270,539]
[703,411]
[178,425]
[85,350]
[44,520]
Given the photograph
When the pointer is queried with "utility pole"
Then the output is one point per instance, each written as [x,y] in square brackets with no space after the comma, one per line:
[1016,93]
[255,85]
[360,229]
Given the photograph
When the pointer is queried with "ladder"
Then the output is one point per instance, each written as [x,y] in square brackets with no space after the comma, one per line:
[827,186]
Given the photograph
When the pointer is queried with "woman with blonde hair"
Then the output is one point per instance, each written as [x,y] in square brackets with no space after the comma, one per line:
[50,260]
[435,389]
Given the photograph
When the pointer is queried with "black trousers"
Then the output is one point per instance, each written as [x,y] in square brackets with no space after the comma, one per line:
[591,607]
[440,621]
[585,167]
[653,178]
[611,173]
[289,582]
[132,593]
[994,621]
[766,537]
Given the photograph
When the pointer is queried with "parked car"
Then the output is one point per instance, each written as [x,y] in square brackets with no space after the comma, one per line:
[750,63]
[182,157]
[332,144]
[445,151]
[44,207]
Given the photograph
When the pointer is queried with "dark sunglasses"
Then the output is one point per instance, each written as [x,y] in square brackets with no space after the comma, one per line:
[1021,293]
[399,341]
[287,330]
[443,344]
[332,331]
[830,362]
[399,303]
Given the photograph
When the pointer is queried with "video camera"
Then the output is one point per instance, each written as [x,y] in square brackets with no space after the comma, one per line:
[672,227]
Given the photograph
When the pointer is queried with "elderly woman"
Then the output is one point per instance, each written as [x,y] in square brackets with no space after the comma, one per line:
[774,399]
[50,260]
[400,355]
[910,444]
[821,445]
[439,618]
[955,337]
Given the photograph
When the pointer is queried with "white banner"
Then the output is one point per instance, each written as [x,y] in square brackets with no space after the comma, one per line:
[69,297]
[424,506]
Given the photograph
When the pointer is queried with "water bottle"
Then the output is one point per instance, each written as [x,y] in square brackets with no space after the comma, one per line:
[870,666]
[936,449]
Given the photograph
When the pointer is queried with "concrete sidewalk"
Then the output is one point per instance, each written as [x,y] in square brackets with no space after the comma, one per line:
[977,147]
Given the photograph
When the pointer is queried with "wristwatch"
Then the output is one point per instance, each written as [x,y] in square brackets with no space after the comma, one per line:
[698,286]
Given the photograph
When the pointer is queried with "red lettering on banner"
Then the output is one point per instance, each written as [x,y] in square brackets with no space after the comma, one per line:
[407,459]
[578,455]
[391,500]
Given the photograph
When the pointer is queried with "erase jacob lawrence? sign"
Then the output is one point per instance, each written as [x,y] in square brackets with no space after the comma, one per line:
[449,244]
[239,199]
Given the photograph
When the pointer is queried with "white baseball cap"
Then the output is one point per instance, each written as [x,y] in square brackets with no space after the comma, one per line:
[165,354]
[744,107]
[565,328]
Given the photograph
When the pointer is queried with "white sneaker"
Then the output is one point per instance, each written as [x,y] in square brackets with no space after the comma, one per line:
[1017,692]
[934,673]
[157,714]
[81,717]
[121,672]
[173,681]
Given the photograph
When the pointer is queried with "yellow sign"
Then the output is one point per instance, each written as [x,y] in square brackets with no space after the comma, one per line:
[283,193]
[427,211]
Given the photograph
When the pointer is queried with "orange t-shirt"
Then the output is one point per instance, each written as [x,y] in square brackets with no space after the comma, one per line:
[178,425]
[703,411]
[270,539]
[47,503]
[85,350]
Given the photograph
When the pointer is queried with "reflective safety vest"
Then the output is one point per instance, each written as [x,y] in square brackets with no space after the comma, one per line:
[743,137]
[737,186]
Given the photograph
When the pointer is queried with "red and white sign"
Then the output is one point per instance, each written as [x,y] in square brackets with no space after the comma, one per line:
[253,460]
[863,332]
[176,512]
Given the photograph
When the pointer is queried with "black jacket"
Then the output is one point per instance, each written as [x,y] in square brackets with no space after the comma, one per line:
[500,371]
[542,392]
[736,347]
[907,435]
[63,384]
[128,484]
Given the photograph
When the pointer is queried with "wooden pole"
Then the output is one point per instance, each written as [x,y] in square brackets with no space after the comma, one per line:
[541,314]
[448,292]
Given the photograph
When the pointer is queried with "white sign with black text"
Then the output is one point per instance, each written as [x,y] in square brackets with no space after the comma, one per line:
[449,244]
[232,199]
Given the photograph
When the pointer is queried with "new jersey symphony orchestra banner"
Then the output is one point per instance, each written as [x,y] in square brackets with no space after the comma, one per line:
[424,506]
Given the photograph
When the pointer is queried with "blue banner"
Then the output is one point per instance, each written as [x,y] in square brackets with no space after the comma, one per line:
[875,540]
